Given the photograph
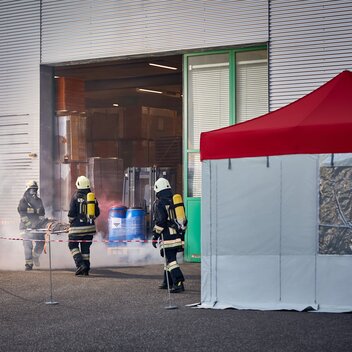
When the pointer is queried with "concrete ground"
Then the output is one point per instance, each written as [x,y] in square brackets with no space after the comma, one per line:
[121,309]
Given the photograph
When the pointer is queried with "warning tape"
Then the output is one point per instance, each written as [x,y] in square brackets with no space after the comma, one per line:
[79,241]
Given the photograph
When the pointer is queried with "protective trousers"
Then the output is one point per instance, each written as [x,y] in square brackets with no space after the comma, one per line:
[172,267]
[29,252]
[80,250]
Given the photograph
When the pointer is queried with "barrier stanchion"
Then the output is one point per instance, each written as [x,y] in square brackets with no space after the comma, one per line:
[51,302]
[49,240]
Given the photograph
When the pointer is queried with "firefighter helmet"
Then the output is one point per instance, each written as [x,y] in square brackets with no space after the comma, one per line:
[82,182]
[161,184]
[32,184]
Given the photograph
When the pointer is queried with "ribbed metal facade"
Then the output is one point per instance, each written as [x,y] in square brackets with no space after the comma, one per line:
[89,29]
[34,32]
[310,42]
[19,100]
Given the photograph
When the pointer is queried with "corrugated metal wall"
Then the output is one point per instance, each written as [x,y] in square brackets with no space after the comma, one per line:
[310,42]
[49,31]
[19,100]
[78,30]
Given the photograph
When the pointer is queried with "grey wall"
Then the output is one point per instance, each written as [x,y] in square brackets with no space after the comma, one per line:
[310,42]
[76,30]
[34,32]
[19,101]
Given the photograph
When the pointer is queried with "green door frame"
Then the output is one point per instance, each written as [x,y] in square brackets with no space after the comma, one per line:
[193,204]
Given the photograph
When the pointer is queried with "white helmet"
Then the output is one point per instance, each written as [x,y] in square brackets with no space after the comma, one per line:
[32,184]
[161,184]
[82,182]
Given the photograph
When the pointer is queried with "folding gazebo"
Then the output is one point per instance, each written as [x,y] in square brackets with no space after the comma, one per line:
[277,206]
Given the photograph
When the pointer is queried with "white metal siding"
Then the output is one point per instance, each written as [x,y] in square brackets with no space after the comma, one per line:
[87,29]
[19,101]
[310,42]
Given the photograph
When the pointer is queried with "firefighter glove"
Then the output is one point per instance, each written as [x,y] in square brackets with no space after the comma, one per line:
[154,241]
[26,222]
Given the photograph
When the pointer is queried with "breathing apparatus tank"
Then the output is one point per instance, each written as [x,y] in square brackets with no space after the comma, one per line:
[90,206]
[180,211]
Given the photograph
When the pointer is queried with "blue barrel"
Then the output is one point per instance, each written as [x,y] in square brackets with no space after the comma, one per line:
[135,224]
[117,226]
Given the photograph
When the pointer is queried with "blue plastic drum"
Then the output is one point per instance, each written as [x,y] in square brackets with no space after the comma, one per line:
[117,226]
[135,224]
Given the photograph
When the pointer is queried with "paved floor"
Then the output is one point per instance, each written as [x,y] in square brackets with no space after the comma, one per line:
[120,309]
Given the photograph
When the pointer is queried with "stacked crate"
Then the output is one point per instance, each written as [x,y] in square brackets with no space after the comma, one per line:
[70,94]
[106,176]
[72,155]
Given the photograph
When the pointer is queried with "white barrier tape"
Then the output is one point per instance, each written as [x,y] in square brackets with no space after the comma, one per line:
[80,241]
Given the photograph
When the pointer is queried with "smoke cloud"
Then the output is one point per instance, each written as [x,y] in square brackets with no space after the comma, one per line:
[129,254]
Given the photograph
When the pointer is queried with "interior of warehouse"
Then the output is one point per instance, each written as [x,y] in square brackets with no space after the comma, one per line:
[119,123]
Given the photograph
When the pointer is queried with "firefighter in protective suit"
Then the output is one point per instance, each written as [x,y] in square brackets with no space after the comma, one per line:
[166,234]
[82,227]
[32,213]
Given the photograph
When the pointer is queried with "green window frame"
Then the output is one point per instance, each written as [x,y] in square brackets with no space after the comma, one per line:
[233,89]
[192,199]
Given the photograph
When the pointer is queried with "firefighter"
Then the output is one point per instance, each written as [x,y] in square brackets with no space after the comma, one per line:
[32,213]
[82,226]
[165,232]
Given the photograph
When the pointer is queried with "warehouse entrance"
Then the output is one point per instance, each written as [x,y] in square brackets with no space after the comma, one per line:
[119,123]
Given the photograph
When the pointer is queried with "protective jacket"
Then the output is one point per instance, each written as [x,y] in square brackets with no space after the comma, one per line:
[31,211]
[164,221]
[79,222]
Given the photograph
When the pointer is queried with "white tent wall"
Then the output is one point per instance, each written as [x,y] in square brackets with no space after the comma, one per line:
[260,237]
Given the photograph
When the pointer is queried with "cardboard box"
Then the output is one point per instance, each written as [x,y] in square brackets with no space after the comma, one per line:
[70,94]
[67,175]
[168,151]
[78,137]
[106,176]
[72,143]
[132,123]
[106,124]
[104,149]
[159,122]
[139,153]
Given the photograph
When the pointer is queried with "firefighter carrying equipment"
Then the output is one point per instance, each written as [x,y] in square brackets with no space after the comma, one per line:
[161,184]
[81,222]
[32,184]
[31,210]
[82,182]
[166,229]
[180,214]
[165,221]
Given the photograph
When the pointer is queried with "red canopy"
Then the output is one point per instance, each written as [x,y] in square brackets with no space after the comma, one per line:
[320,122]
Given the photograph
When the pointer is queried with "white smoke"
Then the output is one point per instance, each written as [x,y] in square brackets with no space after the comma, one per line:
[130,254]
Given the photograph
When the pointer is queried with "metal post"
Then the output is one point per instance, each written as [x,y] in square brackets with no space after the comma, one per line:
[51,302]
[170,306]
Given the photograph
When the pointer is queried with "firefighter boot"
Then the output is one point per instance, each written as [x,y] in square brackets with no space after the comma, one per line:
[178,287]
[87,264]
[36,259]
[81,267]
[81,270]
[163,285]
[28,267]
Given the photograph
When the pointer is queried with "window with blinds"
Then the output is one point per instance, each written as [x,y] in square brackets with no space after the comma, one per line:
[210,98]
[208,103]
[251,84]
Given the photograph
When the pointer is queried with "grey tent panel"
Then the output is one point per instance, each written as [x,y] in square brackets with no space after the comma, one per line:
[260,224]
